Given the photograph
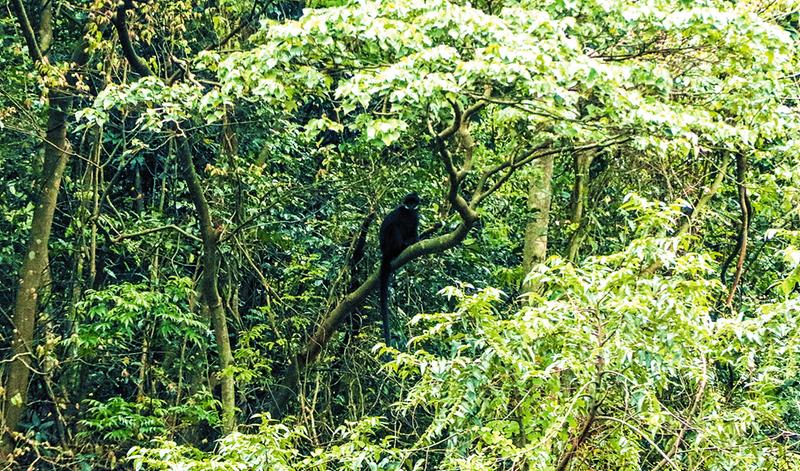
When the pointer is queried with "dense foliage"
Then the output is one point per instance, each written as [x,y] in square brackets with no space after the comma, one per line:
[608,274]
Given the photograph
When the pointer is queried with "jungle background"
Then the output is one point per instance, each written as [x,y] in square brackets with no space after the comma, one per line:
[192,191]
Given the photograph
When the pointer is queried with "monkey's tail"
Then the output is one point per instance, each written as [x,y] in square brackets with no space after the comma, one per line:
[386,271]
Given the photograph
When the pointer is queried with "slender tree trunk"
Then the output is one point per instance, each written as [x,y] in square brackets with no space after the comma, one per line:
[539,198]
[35,261]
[208,284]
[535,249]
[45,33]
[580,192]
[84,251]
[34,272]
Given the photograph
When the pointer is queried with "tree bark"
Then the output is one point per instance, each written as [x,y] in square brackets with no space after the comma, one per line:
[747,214]
[208,284]
[539,198]
[34,271]
[35,260]
[580,192]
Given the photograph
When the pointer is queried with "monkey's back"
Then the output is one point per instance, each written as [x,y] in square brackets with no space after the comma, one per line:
[398,230]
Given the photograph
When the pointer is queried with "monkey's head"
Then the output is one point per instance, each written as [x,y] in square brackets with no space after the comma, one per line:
[411,201]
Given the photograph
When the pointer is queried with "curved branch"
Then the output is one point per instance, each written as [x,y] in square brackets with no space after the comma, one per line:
[747,209]
[457,120]
[479,105]
[702,202]
[138,64]
[328,326]
[462,207]
[27,30]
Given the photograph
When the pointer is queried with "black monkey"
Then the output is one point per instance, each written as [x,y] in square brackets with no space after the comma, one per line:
[398,231]
[599,165]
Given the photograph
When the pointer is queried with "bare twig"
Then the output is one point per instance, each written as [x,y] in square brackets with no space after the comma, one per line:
[152,230]
[698,397]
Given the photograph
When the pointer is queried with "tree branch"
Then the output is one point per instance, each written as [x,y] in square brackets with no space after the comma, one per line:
[173,227]
[462,207]
[27,30]
[594,401]
[699,207]
[702,202]
[698,397]
[136,62]
[328,326]
[513,165]
[746,209]
[643,435]
[453,196]
[479,105]
[457,120]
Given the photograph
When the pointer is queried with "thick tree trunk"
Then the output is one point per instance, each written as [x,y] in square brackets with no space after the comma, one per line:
[539,197]
[34,265]
[208,284]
